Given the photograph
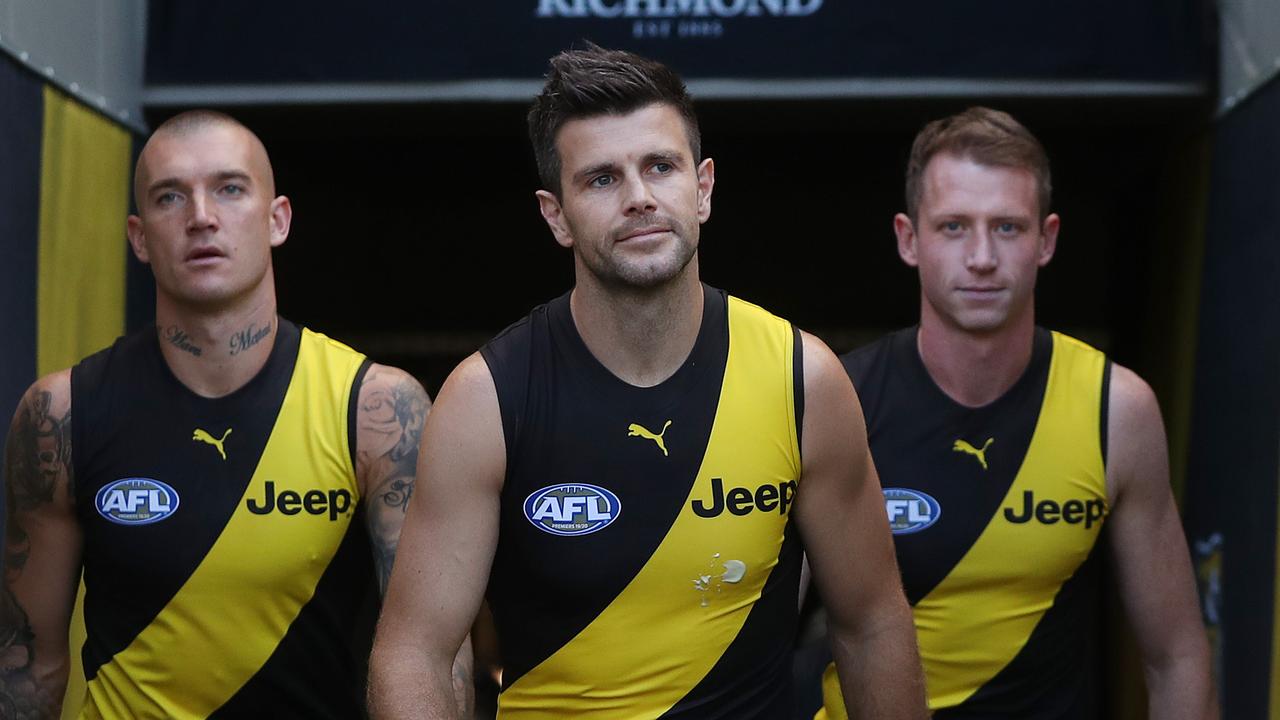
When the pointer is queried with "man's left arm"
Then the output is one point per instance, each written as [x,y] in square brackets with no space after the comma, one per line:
[392,409]
[1153,566]
[840,514]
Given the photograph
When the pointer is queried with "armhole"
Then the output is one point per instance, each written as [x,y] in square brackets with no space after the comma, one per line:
[512,398]
[353,408]
[1105,405]
[797,384]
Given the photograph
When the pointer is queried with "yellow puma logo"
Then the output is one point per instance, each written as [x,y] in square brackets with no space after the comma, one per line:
[204,437]
[638,430]
[964,447]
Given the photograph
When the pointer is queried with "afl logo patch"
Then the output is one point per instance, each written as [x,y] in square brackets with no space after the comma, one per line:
[136,501]
[910,510]
[572,509]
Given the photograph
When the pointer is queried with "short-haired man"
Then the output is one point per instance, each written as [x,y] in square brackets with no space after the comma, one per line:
[1003,448]
[207,473]
[633,470]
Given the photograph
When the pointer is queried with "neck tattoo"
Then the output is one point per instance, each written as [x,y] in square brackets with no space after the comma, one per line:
[249,337]
[176,337]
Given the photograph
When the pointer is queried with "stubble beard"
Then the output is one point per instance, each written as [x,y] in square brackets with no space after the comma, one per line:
[613,267]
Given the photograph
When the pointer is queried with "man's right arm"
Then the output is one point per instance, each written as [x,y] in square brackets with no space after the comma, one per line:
[42,552]
[446,549]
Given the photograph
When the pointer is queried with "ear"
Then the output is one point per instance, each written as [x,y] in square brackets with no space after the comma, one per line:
[551,211]
[706,183]
[1049,238]
[137,239]
[281,219]
[905,231]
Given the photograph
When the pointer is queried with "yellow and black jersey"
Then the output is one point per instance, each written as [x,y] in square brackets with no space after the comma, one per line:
[995,512]
[646,564]
[223,570]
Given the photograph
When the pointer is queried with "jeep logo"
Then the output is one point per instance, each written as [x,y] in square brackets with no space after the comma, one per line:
[314,502]
[741,501]
[1048,512]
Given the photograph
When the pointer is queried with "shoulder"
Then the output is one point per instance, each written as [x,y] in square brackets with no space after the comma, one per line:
[385,378]
[1132,407]
[1135,432]
[823,371]
[49,395]
[829,397]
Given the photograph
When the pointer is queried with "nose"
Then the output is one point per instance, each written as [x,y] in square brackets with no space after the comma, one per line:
[980,255]
[202,216]
[640,200]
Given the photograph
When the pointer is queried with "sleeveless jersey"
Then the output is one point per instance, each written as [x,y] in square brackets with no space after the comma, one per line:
[995,513]
[646,565]
[223,570]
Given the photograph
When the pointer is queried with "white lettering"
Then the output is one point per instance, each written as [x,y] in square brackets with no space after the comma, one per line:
[598,510]
[914,515]
[895,508]
[115,501]
[800,7]
[548,509]
[728,8]
[159,501]
[561,8]
[572,507]
[600,9]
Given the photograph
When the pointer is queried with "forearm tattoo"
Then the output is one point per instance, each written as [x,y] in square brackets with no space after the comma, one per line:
[37,461]
[394,412]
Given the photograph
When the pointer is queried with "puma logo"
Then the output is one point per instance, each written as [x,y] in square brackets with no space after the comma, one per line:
[204,437]
[638,430]
[964,447]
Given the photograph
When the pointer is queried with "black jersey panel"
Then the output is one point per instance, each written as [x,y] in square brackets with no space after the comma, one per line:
[1060,659]
[308,675]
[964,458]
[578,418]
[134,419]
[758,658]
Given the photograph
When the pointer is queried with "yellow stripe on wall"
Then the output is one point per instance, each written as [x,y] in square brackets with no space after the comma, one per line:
[84,180]
[80,281]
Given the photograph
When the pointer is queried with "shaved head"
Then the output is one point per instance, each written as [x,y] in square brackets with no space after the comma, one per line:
[190,123]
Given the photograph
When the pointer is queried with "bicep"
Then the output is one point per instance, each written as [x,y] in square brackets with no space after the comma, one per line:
[451,529]
[1153,567]
[391,412]
[840,510]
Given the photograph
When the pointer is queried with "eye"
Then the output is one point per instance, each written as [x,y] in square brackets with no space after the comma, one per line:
[663,168]
[232,189]
[952,227]
[166,198]
[600,181]
[1007,228]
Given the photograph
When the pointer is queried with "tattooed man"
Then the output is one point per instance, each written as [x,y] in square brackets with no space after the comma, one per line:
[218,476]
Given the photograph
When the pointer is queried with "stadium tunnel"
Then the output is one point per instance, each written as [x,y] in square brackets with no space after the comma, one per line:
[398,133]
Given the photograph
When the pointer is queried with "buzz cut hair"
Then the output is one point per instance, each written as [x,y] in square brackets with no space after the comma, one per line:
[985,136]
[190,121]
[596,81]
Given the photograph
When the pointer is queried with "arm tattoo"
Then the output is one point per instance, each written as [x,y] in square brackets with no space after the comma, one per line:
[394,415]
[37,458]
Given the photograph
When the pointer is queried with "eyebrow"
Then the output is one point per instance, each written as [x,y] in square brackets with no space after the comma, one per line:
[667,156]
[220,176]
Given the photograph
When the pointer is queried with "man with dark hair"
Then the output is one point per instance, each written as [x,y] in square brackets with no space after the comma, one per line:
[1003,448]
[633,470]
[220,475]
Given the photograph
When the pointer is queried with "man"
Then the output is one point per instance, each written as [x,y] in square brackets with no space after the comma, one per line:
[623,469]
[1003,448]
[206,473]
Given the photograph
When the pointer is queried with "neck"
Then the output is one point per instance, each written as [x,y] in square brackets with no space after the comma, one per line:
[975,369]
[216,352]
[641,336]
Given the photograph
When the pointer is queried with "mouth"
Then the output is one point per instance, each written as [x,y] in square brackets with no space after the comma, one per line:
[646,233]
[981,291]
[205,253]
